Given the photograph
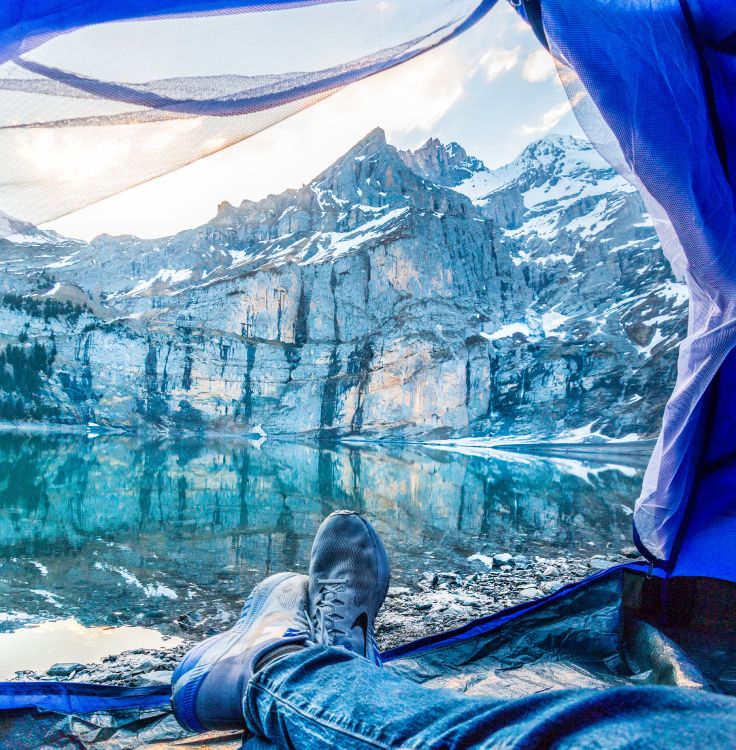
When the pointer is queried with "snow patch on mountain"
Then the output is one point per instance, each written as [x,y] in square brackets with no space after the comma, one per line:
[332,245]
[165,276]
[507,330]
[21,232]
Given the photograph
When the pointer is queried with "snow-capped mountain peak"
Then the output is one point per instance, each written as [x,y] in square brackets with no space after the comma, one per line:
[551,159]
[22,232]
[443,164]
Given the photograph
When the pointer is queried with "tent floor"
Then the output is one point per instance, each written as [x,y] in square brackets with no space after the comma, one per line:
[624,628]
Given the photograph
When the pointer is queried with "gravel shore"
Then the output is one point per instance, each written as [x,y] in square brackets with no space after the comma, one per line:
[438,601]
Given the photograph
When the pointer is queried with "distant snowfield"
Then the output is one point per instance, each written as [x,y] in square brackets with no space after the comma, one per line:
[499,449]
[166,275]
[533,327]
[585,437]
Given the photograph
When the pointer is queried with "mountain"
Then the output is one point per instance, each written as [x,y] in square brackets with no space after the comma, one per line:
[21,232]
[398,294]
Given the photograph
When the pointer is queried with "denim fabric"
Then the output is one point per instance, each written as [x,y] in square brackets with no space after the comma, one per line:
[328,698]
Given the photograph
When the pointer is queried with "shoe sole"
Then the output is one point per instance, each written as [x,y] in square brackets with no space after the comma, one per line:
[194,671]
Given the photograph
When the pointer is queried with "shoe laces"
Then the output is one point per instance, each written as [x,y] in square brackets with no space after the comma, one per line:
[327,628]
[302,619]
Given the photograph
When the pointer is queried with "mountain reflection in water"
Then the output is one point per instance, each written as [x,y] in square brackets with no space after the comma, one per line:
[123,530]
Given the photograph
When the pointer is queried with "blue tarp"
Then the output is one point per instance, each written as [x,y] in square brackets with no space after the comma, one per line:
[588,634]
[80,697]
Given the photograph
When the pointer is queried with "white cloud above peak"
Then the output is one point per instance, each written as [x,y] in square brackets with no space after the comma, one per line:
[551,117]
[539,66]
[497,61]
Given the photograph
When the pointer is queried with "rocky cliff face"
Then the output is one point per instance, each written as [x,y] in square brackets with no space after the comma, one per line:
[399,294]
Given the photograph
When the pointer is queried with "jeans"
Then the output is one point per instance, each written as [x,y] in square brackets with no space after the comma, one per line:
[328,698]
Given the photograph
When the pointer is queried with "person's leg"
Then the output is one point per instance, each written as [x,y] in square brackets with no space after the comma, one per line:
[336,606]
[313,683]
[328,698]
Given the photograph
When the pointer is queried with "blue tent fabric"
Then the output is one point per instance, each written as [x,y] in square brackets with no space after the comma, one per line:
[80,697]
[705,546]
[56,20]
[24,25]
[49,102]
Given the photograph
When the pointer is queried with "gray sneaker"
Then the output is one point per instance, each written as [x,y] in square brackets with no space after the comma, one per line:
[209,683]
[348,581]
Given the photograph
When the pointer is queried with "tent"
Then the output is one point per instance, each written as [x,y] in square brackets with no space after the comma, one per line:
[653,86]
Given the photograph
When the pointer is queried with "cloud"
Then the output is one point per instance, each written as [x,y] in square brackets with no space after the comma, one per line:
[551,117]
[409,97]
[497,61]
[539,66]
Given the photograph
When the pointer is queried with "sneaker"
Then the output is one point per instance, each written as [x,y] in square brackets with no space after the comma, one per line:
[348,581]
[209,683]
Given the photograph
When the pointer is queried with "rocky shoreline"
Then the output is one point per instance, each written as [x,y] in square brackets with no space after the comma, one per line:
[442,601]
[437,602]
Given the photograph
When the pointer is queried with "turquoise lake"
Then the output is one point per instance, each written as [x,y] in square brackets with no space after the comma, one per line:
[129,531]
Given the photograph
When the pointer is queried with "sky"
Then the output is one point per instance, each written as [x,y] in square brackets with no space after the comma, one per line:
[493,90]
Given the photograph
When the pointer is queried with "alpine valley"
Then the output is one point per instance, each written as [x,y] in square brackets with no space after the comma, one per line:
[400,294]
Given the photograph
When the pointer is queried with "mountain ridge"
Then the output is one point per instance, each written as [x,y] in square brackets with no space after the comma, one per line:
[397,294]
